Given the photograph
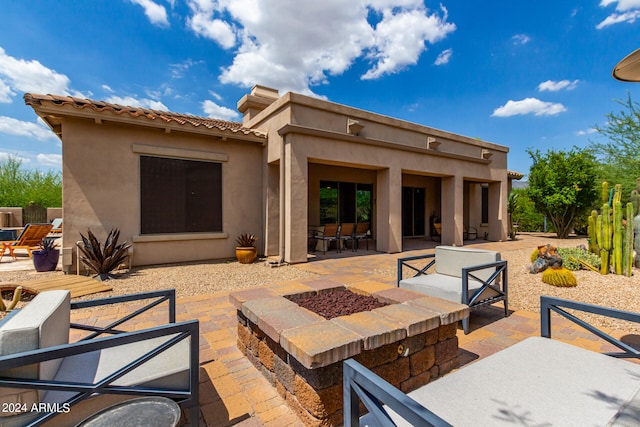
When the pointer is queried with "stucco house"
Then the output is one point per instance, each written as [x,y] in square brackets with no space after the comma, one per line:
[181,188]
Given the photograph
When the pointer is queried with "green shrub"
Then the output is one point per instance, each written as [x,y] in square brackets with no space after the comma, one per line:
[579,254]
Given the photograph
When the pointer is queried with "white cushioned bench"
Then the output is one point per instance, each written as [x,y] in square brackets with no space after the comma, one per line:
[44,324]
[463,275]
[536,382]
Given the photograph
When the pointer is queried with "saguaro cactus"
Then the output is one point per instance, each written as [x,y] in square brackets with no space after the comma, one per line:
[636,245]
[592,230]
[617,232]
[605,246]
[605,192]
[628,243]
[617,235]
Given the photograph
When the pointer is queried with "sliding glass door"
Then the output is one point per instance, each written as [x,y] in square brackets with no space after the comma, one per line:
[413,211]
[344,202]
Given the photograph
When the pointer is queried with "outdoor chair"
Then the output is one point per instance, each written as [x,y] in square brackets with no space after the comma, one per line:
[470,233]
[72,381]
[538,381]
[56,225]
[29,239]
[475,277]
[347,231]
[330,233]
[362,233]
[436,232]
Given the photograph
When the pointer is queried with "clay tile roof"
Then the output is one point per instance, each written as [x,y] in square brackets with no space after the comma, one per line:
[166,116]
[515,175]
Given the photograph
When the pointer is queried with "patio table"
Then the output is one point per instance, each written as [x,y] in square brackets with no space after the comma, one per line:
[142,412]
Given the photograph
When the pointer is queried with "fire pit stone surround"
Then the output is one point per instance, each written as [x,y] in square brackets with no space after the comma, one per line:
[408,342]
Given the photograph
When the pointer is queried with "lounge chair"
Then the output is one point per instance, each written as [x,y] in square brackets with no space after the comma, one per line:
[29,239]
[538,381]
[57,225]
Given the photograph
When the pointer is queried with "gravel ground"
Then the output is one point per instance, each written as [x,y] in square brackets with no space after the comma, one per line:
[199,278]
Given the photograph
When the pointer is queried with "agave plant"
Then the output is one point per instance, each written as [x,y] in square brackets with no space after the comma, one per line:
[103,259]
[246,240]
[47,244]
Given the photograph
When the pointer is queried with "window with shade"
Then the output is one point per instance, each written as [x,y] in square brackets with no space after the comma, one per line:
[180,196]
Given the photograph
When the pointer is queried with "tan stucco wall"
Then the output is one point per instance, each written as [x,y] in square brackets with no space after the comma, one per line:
[388,151]
[101,188]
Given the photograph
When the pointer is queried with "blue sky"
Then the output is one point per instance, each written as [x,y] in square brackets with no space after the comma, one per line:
[534,74]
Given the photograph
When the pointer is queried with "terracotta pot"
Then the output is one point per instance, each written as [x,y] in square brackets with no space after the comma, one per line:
[246,254]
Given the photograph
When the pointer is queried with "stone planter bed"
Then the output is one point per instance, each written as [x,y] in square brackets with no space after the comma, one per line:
[408,342]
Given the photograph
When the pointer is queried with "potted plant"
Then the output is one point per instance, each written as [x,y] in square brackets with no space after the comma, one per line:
[46,258]
[246,250]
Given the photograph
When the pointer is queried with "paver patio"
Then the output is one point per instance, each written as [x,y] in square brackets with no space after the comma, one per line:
[234,392]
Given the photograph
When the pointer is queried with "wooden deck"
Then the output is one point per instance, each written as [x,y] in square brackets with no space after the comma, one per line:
[78,285]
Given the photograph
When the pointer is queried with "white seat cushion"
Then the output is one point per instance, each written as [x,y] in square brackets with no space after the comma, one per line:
[445,287]
[169,369]
[44,322]
[538,381]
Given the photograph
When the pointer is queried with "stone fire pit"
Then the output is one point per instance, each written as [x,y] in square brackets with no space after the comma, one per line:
[408,342]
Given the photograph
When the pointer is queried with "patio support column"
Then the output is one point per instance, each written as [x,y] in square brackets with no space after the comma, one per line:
[272,210]
[389,210]
[452,210]
[295,201]
[498,211]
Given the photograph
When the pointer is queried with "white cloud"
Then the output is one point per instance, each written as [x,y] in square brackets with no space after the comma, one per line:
[215,95]
[156,13]
[528,106]
[12,126]
[626,11]
[107,88]
[292,46]
[135,102]
[216,111]
[444,57]
[617,18]
[203,23]
[586,132]
[19,75]
[178,70]
[400,39]
[5,93]
[5,156]
[50,159]
[622,5]
[521,39]
[553,86]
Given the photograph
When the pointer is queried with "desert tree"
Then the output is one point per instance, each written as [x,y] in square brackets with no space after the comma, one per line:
[563,185]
